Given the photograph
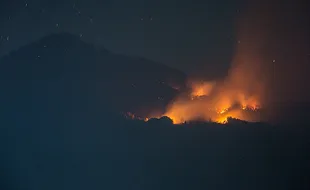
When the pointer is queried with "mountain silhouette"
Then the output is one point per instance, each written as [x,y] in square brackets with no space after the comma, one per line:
[59,128]
[63,63]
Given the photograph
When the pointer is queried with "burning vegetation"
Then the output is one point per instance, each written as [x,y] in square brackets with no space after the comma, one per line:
[237,96]
[252,83]
[242,93]
[209,102]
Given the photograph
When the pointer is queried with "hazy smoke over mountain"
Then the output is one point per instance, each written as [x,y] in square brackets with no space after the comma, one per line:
[270,51]
[273,52]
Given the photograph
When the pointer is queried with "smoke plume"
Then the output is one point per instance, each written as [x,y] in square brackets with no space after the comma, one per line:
[261,70]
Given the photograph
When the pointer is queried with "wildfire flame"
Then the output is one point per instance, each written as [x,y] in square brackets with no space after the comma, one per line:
[211,108]
[203,89]
[242,91]
[210,101]
[130,115]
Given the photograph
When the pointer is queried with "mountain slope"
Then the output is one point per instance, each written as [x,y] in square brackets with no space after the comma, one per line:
[64,67]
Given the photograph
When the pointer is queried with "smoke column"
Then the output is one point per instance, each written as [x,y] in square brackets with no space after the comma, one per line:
[268,68]
[272,54]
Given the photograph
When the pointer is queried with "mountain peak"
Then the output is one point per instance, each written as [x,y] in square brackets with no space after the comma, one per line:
[62,62]
[61,39]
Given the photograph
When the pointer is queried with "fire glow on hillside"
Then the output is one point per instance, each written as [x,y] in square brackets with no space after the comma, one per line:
[242,92]
[209,102]
[238,96]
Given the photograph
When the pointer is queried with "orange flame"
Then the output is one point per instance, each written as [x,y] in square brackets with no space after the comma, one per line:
[242,91]
[203,89]
[217,104]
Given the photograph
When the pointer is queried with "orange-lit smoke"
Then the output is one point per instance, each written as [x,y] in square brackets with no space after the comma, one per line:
[212,103]
[242,91]
[202,89]
[264,42]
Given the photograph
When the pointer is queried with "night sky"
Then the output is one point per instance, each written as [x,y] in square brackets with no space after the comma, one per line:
[189,35]
[198,37]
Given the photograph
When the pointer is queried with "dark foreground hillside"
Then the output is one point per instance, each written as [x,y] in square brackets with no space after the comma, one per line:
[87,150]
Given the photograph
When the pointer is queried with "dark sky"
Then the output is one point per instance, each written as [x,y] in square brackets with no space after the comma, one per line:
[198,36]
[189,35]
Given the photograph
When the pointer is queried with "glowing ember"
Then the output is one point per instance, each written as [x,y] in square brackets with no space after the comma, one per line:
[130,115]
[223,111]
[203,89]
[222,120]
